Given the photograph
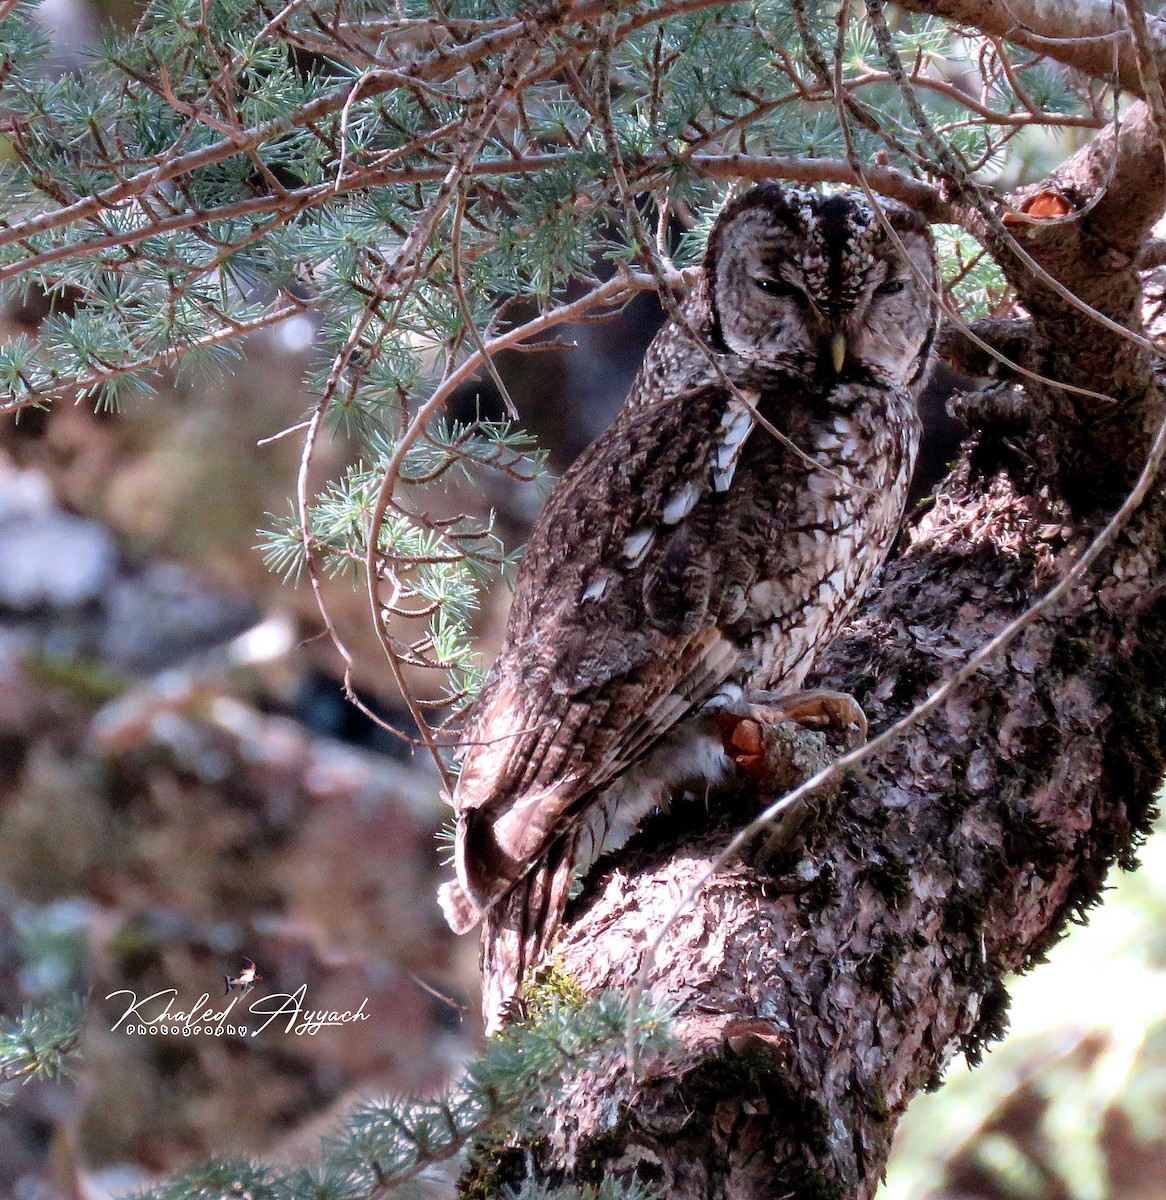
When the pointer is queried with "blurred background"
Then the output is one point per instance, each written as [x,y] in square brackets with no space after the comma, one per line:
[183,784]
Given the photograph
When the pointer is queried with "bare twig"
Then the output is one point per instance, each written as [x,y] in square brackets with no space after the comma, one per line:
[292,201]
[477,132]
[889,736]
[939,696]
[1147,69]
[455,251]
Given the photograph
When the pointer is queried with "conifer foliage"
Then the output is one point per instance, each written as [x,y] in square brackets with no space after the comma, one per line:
[405,174]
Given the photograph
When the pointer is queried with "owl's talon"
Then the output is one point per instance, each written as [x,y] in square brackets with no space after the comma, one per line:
[743,729]
[820,708]
[740,734]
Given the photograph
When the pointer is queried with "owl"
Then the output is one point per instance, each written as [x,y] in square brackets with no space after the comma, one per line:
[700,553]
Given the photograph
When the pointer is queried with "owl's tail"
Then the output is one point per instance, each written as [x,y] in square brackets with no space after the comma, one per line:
[458,907]
[519,930]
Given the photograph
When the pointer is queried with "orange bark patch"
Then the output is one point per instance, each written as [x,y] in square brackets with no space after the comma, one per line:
[1044,206]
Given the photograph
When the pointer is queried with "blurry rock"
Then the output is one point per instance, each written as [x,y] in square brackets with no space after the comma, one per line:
[54,560]
[23,493]
[163,614]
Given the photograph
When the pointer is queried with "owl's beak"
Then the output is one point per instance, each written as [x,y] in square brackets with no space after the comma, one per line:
[838,351]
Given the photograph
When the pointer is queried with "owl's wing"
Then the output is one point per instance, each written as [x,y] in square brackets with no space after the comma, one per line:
[614,635]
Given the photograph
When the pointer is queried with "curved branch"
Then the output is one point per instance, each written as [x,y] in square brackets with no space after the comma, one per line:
[1090,35]
[820,987]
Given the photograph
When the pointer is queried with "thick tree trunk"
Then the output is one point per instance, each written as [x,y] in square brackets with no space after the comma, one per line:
[820,986]
[818,992]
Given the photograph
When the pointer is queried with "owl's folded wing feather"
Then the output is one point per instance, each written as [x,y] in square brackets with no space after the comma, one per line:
[613,638]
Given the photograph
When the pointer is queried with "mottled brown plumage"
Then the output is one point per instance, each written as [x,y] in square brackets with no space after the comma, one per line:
[690,556]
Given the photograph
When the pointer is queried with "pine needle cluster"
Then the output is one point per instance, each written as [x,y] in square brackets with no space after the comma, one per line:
[42,1043]
[409,1147]
[403,175]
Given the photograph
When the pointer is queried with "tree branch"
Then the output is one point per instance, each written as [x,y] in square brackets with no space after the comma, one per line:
[1091,35]
[1009,336]
[1112,192]
[818,991]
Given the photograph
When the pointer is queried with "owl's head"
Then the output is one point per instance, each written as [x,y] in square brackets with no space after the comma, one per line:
[814,284]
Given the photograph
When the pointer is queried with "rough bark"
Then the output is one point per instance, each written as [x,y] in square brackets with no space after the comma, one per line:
[819,987]
[1093,446]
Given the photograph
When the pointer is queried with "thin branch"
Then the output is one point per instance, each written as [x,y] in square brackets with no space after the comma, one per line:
[1091,35]
[455,251]
[899,186]
[920,196]
[410,249]
[317,584]
[278,21]
[987,115]
[938,697]
[1148,69]
[1034,612]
